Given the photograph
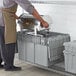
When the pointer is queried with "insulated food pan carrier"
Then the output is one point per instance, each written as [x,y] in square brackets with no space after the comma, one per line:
[47,47]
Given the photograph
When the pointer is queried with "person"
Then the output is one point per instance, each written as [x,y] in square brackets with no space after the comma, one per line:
[8,30]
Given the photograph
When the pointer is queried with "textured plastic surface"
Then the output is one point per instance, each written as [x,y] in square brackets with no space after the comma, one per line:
[70,56]
[70,61]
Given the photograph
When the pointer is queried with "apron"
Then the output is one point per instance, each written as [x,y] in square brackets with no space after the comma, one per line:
[10,24]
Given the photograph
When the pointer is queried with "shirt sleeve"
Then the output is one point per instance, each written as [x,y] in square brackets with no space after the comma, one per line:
[26,5]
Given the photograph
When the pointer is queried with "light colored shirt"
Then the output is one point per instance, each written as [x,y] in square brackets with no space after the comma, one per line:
[25,4]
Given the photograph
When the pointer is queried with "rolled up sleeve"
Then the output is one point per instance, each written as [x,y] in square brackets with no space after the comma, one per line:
[26,5]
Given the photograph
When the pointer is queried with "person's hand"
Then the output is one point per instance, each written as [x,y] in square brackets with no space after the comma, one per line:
[44,24]
[14,15]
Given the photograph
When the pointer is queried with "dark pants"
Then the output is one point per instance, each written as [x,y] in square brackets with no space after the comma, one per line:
[7,51]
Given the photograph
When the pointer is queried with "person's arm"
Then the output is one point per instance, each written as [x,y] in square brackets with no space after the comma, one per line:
[38,17]
[26,5]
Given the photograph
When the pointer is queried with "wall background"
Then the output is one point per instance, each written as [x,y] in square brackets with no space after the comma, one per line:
[1,3]
[63,17]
